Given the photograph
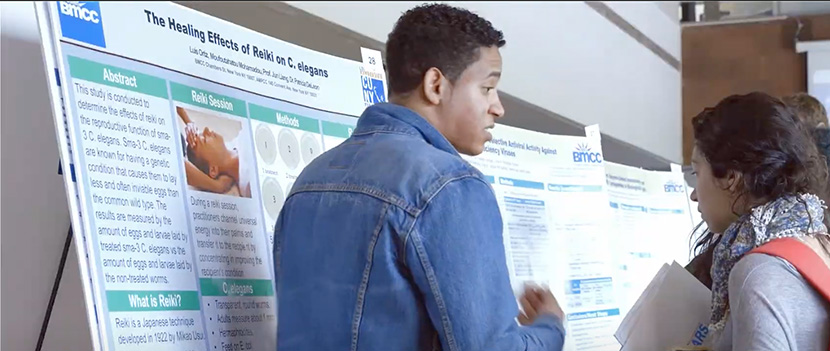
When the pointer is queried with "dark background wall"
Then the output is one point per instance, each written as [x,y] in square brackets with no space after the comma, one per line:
[724,59]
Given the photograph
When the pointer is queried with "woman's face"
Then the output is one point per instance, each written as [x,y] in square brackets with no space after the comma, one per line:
[714,196]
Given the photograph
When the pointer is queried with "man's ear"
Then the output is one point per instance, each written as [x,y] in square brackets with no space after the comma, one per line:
[434,84]
[213,172]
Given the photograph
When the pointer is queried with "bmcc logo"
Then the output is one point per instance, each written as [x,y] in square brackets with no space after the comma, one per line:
[583,154]
[672,187]
[82,21]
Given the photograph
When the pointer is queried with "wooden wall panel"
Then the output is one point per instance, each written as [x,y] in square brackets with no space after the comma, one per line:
[720,60]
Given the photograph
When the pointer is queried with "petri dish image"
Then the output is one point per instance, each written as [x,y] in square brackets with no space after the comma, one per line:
[272,197]
[310,147]
[289,148]
[266,143]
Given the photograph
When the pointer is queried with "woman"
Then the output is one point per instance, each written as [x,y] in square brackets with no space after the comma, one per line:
[759,178]
[809,111]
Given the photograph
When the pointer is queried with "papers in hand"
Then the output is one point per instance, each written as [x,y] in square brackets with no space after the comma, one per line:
[673,311]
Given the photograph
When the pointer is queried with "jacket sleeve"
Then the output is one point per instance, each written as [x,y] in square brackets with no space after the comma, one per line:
[456,254]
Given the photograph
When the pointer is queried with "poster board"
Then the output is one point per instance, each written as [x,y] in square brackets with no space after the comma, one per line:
[171,257]
[653,224]
[593,231]
[552,195]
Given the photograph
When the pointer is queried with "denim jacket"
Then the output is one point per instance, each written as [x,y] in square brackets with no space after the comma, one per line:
[391,241]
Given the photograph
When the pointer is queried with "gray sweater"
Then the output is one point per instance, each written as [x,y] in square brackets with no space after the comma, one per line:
[773,309]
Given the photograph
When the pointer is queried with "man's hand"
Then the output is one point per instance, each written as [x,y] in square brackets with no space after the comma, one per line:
[537,301]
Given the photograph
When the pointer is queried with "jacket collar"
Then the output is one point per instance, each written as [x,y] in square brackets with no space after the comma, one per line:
[393,118]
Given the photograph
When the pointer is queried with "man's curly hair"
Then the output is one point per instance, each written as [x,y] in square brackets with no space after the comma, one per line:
[808,109]
[435,35]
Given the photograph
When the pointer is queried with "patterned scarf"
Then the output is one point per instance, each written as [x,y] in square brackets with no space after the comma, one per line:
[789,216]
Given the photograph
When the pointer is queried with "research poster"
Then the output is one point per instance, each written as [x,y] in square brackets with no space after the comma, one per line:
[652,221]
[184,135]
[551,193]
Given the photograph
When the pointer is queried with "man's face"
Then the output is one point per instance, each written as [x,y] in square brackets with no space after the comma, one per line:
[208,146]
[471,105]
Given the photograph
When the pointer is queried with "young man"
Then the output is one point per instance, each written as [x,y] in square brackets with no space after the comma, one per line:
[391,241]
[808,109]
[812,113]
